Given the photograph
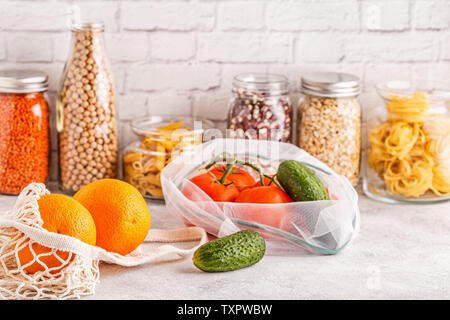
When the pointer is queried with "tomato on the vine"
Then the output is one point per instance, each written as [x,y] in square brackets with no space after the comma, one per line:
[240,178]
[270,216]
[263,194]
[225,192]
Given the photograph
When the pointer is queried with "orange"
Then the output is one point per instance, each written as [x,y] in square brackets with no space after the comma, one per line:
[120,213]
[60,214]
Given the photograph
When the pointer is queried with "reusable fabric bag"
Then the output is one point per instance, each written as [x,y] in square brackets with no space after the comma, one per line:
[324,227]
[22,229]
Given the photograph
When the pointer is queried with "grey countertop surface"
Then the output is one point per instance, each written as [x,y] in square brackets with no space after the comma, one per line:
[401,252]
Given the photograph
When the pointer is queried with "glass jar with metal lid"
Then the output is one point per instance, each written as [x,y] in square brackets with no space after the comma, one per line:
[329,121]
[260,108]
[24,129]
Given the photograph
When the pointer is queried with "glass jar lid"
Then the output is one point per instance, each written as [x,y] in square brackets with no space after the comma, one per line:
[261,83]
[330,84]
[21,81]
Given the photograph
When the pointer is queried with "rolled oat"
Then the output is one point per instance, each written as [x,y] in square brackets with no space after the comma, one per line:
[330,130]
[329,121]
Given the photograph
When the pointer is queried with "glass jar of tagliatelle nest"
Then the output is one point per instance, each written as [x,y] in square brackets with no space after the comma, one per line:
[161,139]
[407,155]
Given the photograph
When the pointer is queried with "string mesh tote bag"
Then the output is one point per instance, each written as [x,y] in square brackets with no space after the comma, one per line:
[77,271]
[322,227]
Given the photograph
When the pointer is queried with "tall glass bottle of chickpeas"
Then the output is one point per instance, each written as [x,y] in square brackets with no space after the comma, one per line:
[87,133]
[329,121]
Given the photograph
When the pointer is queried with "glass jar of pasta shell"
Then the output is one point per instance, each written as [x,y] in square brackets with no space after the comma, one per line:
[160,139]
[329,121]
[85,118]
[407,158]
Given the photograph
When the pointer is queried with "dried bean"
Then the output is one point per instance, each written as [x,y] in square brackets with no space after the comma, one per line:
[256,115]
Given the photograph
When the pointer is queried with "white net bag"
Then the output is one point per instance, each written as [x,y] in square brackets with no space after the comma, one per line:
[324,227]
[27,250]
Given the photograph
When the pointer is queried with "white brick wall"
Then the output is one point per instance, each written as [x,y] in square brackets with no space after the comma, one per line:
[245,47]
[312,15]
[174,16]
[392,15]
[179,57]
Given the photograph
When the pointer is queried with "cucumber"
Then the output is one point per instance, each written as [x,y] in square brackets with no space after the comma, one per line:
[236,251]
[300,182]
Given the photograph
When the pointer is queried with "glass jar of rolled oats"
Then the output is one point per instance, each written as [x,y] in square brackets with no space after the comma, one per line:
[87,134]
[329,121]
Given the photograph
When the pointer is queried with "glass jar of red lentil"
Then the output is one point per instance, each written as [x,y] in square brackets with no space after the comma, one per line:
[24,129]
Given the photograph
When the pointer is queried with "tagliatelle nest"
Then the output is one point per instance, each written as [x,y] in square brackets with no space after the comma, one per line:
[78,273]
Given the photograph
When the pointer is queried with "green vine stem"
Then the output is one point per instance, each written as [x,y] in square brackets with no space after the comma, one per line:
[223,157]
[274,180]
[227,171]
[231,161]
[254,167]
[218,181]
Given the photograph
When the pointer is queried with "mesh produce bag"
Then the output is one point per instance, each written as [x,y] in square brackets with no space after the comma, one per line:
[324,227]
[77,272]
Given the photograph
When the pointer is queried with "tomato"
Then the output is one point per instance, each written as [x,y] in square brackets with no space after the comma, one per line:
[214,189]
[270,215]
[236,180]
[239,177]
[263,194]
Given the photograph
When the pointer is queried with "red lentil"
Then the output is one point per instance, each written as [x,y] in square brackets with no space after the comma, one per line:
[24,140]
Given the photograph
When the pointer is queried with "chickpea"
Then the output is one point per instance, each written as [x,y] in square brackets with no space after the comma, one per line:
[87,95]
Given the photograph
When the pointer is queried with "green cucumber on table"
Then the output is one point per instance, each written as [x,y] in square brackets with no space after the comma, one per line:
[236,251]
[300,182]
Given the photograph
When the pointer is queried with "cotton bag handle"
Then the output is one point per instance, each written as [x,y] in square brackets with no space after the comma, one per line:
[24,211]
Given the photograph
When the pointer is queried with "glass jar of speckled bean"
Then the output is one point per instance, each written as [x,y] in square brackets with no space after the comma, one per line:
[260,108]
[24,129]
[87,133]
